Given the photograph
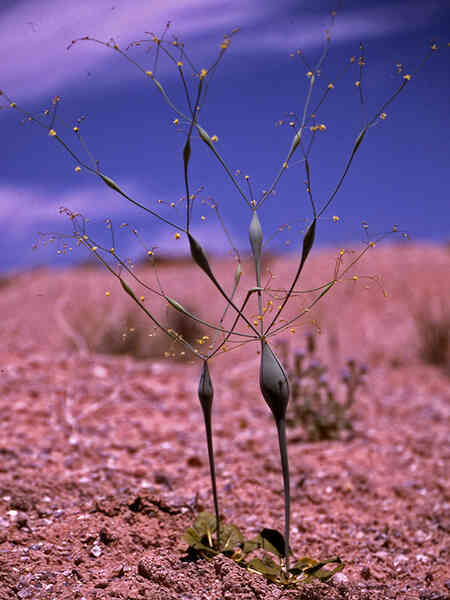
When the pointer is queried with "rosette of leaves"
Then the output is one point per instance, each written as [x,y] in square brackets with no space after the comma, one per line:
[270,547]
[200,537]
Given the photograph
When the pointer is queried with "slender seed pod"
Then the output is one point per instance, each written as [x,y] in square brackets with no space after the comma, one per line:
[110,183]
[273,382]
[255,236]
[308,242]
[187,153]
[204,136]
[205,390]
[199,256]
[206,396]
[237,274]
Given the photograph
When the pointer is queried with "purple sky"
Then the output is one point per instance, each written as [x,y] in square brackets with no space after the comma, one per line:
[400,175]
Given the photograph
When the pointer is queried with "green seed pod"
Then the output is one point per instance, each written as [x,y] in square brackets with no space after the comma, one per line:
[205,390]
[204,136]
[237,274]
[308,242]
[255,236]
[186,153]
[199,256]
[110,183]
[273,382]
[359,139]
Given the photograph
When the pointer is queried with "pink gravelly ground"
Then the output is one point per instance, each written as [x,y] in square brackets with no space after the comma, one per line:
[103,462]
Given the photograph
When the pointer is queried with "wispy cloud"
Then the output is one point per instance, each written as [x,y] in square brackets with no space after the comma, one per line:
[24,210]
[35,35]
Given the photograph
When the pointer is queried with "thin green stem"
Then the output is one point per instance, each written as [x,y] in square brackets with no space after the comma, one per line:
[281,428]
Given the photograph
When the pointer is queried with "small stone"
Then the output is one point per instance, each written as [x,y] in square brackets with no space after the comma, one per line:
[365,572]
[340,578]
[400,559]
[106,536]
[96,551]
[422,558]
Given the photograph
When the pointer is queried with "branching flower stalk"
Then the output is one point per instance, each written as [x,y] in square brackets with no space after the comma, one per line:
[235,326]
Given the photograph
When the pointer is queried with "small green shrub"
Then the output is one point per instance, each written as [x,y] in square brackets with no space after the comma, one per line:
[434,338]
[319,404]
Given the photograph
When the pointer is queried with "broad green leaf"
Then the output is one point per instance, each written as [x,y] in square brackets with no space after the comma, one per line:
[265,567]
[230,537]
[273,541]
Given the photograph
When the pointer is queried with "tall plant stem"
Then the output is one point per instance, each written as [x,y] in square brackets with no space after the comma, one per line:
[212,470]
[281,428]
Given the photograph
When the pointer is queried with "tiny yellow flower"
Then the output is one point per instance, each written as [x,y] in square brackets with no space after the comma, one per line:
[112,250]
[330,86]
[341,252]
[309,74]
[177,236]
[150,253]
[107,293]
[285,165]
[149,73]
[291,330]
[176,121]
[434,46]
[94,248]
[383,116]
[246,177]
[214,138]
[372,244]
[336,219]
[355,277]
[179,64]
[203,218]
[52,133]
[76,129]
[406,77]
[357,83]
[203,73]
[142,298]
[13,105]
[322,127]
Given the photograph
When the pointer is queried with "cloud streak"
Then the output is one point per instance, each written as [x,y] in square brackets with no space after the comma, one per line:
[36,35]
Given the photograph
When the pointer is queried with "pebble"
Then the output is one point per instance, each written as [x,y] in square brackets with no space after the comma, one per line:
[340,578]
[96,550]
[400,559]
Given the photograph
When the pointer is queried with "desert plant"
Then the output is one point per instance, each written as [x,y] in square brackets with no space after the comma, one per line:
[262,554]
[237,323]
[434,337]
[319,404]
